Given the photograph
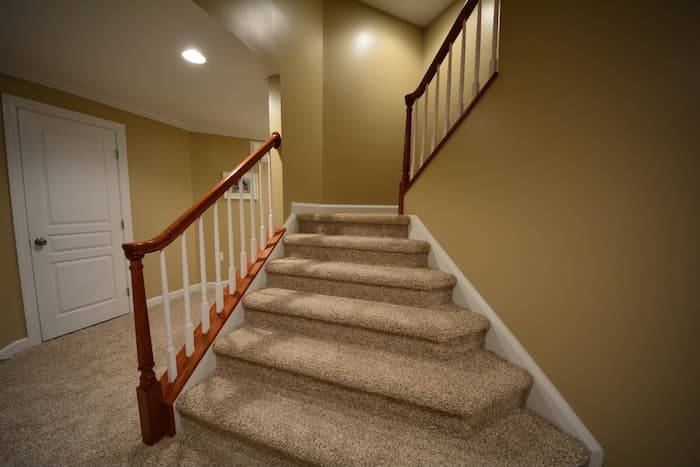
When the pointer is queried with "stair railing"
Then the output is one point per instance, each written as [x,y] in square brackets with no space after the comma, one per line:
[156,397]
[426,133]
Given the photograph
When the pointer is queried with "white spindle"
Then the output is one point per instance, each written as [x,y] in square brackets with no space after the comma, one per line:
[414,130]
[189,328]
[424,141]
[253,240]
[493,65]
[461,67]
[204,307]
[244,256]
[477,52]
[172,363]
[217,261]
[261,203]
[270,217]
[448,91]
[231,260]
[437,110]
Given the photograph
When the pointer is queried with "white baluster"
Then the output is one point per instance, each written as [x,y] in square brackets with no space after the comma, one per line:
[217,261]
[414,130]
[448,91]
[204,307]
[261,203]
[461,67]
[270,220]
[253,241]
[477,53]
[424,141]
[437,110]
[172,362]
[243,255]
[189,328]
[493,65]
[231,260]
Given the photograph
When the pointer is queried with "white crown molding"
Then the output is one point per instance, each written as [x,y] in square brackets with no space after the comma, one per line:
[59,85]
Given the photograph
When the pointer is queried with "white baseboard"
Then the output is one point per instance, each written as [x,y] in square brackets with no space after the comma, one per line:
[13,347]
[157,300]
[311,208]
[544,398]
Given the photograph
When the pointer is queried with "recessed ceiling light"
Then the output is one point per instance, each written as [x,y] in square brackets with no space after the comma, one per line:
[194,56]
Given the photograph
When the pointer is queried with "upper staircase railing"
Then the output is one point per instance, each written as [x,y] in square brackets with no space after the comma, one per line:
[156,397]
[435,128]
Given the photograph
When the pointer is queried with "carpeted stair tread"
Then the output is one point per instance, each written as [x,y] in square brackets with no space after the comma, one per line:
[358,242]
[385,276]
[479,381]
[356,218]
[304,431]
[436,325]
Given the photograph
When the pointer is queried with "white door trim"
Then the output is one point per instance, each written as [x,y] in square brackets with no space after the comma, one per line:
[10,106]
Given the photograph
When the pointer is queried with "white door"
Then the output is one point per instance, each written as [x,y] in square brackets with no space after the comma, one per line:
[71,185]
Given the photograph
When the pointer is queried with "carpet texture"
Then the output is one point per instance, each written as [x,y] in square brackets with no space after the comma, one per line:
[72,401]
[356,355]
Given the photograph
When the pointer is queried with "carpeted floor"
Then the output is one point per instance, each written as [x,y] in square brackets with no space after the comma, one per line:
[72,400]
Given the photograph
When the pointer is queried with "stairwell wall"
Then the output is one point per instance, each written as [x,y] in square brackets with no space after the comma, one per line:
[569,199]
[169,168]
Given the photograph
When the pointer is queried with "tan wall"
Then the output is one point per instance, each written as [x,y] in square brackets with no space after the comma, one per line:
[275,114]
[363,105]
[288,35]
[169,169]
[212,155]
[570,199]
[154,149]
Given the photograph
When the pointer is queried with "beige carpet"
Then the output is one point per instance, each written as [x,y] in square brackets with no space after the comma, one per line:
[72,400]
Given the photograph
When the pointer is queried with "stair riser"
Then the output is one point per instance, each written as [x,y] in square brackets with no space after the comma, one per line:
[382,258]
[374,403]
[226,448]
[397,295]
[364,230]
[367,337]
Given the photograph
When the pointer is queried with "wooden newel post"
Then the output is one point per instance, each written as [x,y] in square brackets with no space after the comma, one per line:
[149,394]
[406,152]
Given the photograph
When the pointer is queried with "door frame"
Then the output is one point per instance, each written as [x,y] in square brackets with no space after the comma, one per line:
[11,106]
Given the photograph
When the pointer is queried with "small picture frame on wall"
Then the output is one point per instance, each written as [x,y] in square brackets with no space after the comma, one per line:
[245,188]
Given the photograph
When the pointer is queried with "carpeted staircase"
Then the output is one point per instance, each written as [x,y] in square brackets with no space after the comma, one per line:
[356,355]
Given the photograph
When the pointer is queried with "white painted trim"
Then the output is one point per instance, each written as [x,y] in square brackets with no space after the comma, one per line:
[311,208]
[13,347]
[79,91]
[207,365]
[10,106]
[195,288]
[544,398]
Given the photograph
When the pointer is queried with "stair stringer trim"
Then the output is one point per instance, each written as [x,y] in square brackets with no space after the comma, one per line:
[207,365]
[544,398]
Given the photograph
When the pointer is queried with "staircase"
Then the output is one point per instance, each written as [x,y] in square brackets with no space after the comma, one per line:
[356,355]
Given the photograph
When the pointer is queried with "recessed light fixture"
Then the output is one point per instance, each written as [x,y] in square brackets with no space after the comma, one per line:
[193,56]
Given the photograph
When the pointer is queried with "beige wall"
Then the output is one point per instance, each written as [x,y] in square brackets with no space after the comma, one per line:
[212,155]
[152,148]
[288,35]
[169,169]
[363,105]
[570,199]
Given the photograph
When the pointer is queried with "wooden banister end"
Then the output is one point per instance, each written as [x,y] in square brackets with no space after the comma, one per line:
[152,412]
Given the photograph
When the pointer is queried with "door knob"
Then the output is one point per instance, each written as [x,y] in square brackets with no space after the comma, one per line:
[40,242]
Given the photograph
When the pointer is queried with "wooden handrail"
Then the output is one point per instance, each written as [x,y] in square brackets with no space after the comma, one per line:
[156,398]
[442,51]
[165,238]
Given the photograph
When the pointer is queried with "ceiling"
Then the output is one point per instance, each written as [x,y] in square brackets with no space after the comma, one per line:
[126,53]
[419,12]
